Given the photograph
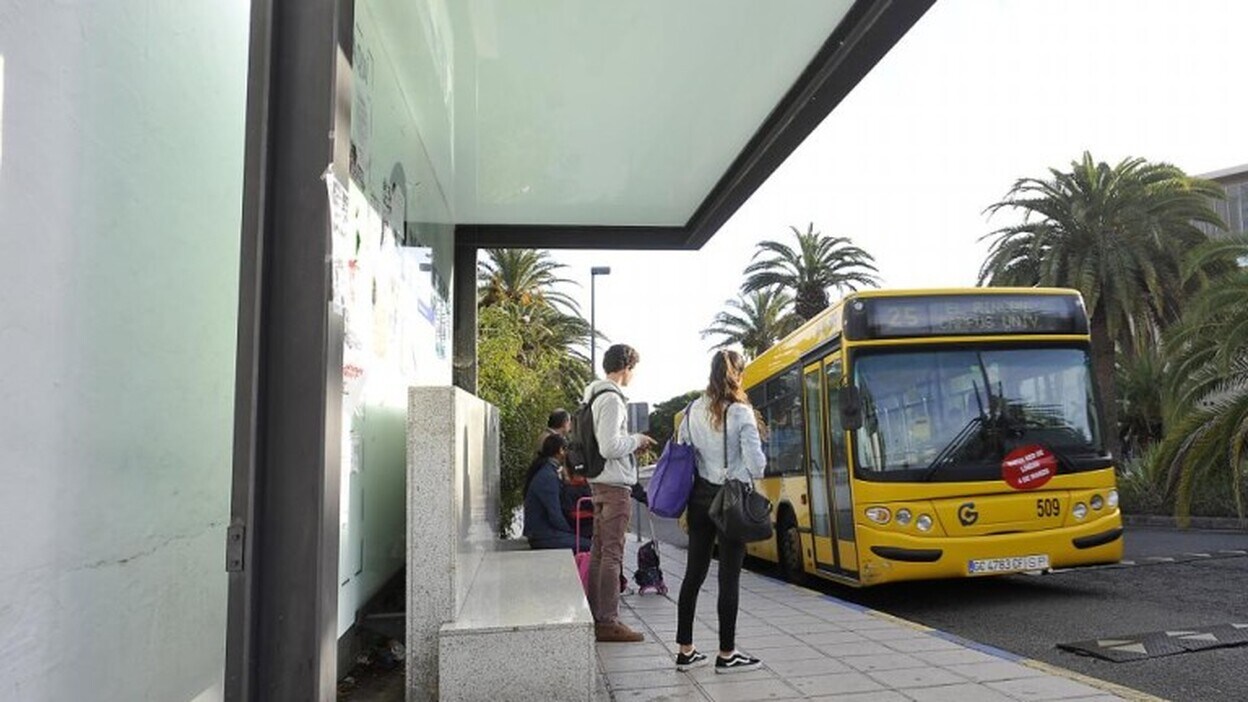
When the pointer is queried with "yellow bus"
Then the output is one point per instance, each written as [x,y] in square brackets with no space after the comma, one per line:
[920,434]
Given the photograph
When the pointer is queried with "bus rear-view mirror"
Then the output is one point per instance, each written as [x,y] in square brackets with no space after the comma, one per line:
[851,407]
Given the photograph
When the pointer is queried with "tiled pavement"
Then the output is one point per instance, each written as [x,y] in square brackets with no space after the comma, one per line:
[816,647]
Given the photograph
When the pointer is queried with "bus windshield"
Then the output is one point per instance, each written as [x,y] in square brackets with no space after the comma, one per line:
[953,414]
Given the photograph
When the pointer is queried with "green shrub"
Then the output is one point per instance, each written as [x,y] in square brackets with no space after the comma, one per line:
[525,387]
[1142,485]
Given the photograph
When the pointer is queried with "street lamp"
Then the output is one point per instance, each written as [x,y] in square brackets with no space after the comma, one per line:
[593,329]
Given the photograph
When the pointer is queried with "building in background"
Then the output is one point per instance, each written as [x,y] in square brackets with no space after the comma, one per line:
[1234,209]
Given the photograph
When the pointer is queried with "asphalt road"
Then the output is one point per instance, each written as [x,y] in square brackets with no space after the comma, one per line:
[1030,614]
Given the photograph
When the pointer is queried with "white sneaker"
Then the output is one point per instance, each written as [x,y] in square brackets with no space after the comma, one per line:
[693,659]
[736,663]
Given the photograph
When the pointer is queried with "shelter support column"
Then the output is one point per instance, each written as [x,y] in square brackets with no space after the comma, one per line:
[282,543]
[464,374]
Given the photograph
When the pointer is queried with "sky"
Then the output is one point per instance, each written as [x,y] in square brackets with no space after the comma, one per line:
[978,94]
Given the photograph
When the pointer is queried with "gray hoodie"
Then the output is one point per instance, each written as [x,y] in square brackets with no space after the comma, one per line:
[611,429]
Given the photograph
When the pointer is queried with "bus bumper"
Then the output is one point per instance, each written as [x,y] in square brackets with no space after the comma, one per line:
[886,556]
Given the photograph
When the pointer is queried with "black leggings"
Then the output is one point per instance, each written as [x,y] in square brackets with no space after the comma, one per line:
[702,536]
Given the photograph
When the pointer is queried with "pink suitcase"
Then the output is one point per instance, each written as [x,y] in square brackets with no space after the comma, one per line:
[582,557]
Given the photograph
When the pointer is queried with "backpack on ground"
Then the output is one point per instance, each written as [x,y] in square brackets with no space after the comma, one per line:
[583,455]
[649,574]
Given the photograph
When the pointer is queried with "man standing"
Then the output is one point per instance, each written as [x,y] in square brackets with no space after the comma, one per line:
[612,489]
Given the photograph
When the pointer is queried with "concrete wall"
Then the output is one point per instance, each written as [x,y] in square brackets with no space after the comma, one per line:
[452,516]
[121,144]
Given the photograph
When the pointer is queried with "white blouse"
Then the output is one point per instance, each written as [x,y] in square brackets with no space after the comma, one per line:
[746,459]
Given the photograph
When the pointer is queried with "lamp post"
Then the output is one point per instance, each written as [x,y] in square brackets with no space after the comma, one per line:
[593,328]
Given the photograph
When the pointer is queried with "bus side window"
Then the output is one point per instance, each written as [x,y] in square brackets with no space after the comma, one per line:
[779,451]
[775,431]
[783,413]
[795,440]
[758,399]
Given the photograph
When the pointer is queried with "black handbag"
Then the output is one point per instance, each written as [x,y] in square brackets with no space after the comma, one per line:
[740,513]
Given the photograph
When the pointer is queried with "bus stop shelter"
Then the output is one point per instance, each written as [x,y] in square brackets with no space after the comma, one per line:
[485,124]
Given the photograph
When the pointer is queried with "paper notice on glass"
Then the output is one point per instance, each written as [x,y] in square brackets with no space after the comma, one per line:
[340,251]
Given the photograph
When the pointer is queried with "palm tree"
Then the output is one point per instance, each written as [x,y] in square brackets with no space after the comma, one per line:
[1207,430]
[1118,235]
[818,263]
[755,320]
[525,276]
[1140,378]
[522,283]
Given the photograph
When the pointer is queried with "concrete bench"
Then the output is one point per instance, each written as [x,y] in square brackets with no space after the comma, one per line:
[525,632]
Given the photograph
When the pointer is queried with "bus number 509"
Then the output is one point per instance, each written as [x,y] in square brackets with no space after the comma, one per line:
[1048,507]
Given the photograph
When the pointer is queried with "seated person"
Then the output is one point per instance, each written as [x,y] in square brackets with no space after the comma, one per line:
[544,522]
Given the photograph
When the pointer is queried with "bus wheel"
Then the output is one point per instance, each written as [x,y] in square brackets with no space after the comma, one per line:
[789,550]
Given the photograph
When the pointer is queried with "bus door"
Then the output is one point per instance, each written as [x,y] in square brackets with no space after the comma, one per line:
[838,469]
[822,462]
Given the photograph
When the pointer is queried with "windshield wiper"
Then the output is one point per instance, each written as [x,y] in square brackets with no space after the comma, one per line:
[974,427]
[1063,459]
[959,441]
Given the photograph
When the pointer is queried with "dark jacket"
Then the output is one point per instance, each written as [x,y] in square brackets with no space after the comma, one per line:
[543,516]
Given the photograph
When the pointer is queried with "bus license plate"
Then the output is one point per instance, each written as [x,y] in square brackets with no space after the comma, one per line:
[1013,564]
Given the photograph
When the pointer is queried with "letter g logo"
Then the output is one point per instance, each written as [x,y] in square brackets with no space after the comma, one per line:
[967,514]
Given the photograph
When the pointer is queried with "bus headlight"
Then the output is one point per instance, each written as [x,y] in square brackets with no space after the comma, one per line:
[924,523]
[904,516]
[879,515]
[1080,511]
[1097,502]
[1112,499]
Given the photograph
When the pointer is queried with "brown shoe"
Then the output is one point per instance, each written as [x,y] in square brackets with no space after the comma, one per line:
[616,631]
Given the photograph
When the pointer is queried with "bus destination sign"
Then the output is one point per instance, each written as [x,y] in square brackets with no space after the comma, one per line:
[964,315]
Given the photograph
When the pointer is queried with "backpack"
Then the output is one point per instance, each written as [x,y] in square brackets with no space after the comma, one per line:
[583,456]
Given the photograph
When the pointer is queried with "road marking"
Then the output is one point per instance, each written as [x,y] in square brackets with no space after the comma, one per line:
[1132,647]
[1145,560]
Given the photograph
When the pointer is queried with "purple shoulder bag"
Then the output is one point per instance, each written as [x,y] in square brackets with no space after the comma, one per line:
[672,483]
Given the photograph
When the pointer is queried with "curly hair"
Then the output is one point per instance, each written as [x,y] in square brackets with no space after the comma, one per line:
[619,357]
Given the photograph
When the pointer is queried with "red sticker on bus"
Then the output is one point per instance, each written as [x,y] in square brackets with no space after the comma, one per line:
[1028,467]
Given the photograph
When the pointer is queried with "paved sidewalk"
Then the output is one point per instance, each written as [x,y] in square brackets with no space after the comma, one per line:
[814,646]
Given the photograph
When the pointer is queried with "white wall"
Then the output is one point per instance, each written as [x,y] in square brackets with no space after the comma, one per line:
[120,190]
[397,319]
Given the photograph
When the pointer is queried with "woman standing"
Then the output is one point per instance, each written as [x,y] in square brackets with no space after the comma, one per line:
[724,431]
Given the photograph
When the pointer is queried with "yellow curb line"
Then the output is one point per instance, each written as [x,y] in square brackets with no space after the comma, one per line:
[898,620]
[1104,685]
[1113,688]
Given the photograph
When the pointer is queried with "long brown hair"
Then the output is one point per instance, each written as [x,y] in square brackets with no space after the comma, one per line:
[725,385]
